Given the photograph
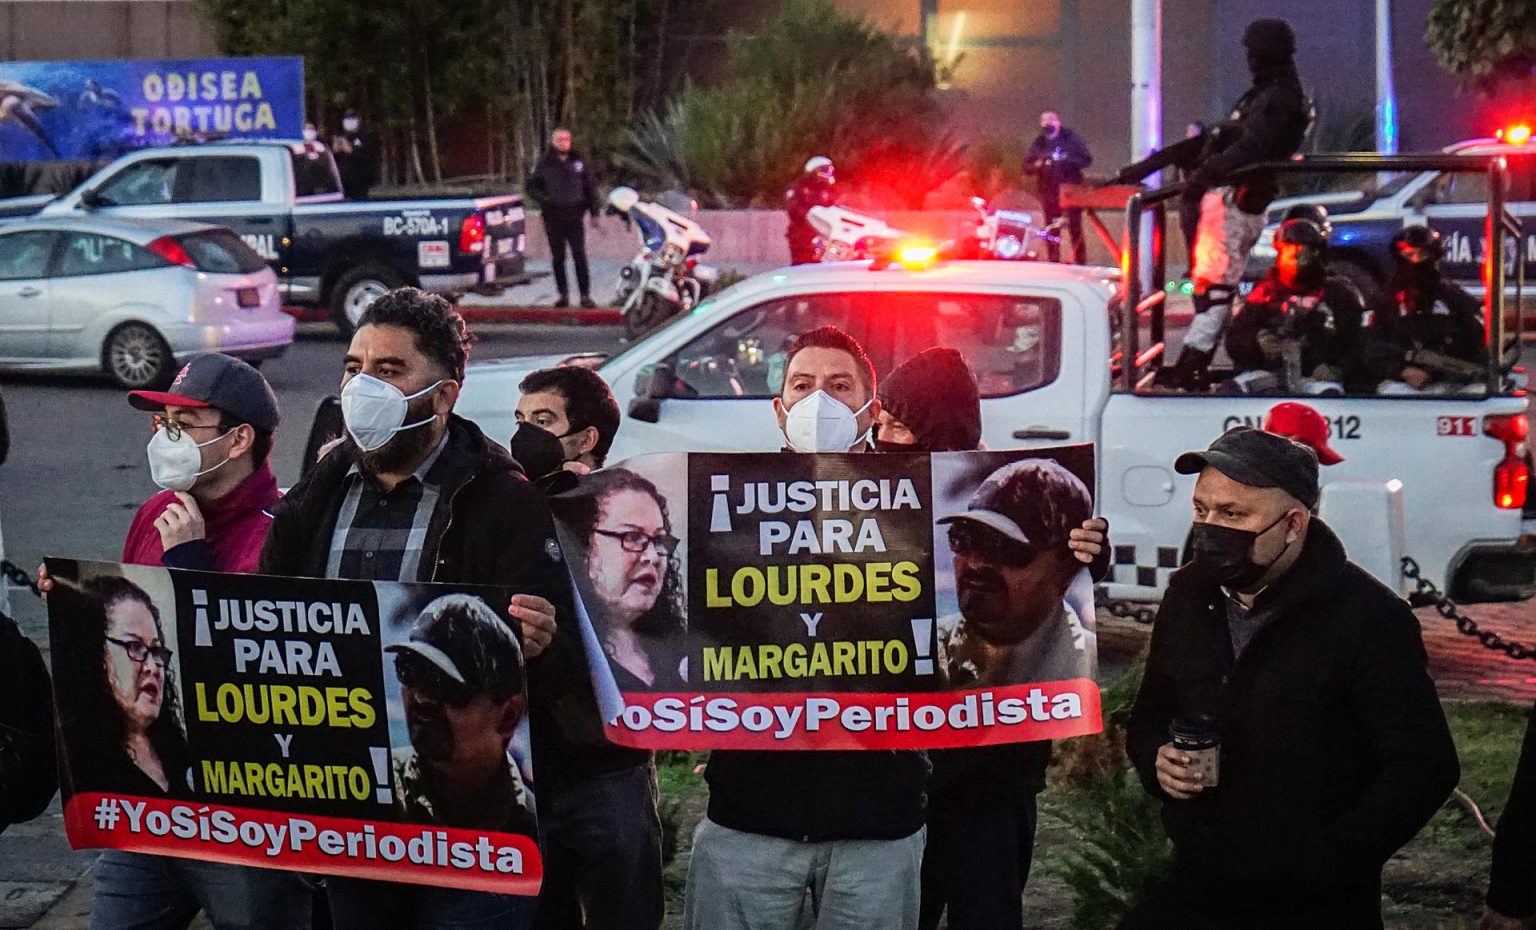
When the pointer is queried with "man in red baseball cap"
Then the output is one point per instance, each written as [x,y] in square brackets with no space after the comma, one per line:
[1305,425]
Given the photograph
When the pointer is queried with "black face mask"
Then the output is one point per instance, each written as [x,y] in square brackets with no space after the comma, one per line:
[1226,554]
[537,450]
[882,445]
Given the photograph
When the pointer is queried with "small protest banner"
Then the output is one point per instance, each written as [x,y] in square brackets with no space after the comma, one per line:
[369,729]
[836,601]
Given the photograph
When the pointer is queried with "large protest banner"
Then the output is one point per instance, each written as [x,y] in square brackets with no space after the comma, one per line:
[64,110]
[370,729]
[853,601]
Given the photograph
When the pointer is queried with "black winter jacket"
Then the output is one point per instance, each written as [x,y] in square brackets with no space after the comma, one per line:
[490,527]
[1335,751]
[1512,882]
[1268,123]
[564,185]
[1052,173]
[28,772]
[1436,316]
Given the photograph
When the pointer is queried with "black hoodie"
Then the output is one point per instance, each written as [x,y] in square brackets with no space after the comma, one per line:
[1268,123]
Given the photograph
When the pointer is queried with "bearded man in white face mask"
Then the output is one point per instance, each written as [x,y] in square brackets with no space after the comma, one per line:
[846,825]
[416,493]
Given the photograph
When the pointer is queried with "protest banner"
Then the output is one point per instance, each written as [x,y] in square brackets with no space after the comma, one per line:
[368,729]
[836,601]
[67,110]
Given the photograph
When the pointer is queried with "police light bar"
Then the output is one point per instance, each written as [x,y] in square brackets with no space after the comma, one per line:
[1518,134]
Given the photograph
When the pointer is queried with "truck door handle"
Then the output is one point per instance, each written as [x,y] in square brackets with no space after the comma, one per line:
[1041,432]
[259,220]
[29,292]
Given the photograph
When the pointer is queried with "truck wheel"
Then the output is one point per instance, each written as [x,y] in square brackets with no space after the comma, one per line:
[356,289]
[1357,274]
[137,358]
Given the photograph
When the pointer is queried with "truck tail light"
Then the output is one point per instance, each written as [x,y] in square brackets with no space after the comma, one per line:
[472,233]
[1511,475]
[172,251]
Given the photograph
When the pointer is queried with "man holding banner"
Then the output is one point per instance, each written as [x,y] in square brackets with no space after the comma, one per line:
[981,800]
[415,493]
[208,452]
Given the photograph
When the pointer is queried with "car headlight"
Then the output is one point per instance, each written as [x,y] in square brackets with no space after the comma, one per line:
[1008,247]
[671,255]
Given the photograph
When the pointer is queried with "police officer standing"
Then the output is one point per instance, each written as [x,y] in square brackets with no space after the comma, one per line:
[816,187]
[565,189]
[357,157]
[1426,334]
[1056,157]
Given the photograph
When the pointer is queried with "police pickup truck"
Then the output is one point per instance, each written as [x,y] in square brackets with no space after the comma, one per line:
[284,199]
[1452,203]
[1068,354]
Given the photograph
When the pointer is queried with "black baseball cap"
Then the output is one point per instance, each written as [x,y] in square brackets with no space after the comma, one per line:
[465,640]
[222,382]
[1260,460]
[1036,502]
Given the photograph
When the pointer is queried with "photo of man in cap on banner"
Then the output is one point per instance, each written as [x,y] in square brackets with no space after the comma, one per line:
[1025,601]
[461,690]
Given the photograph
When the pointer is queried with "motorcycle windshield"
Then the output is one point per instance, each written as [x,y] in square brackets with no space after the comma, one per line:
[651,232]
[697,248]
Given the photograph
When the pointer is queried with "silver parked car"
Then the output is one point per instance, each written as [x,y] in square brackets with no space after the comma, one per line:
[134,298]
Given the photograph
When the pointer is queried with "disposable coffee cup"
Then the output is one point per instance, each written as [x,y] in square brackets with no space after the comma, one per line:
[1200,739]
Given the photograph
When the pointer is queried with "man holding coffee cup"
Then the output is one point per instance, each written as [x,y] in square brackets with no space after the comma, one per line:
[1286,717]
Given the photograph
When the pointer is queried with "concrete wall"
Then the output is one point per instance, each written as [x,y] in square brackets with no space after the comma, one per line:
[67,30]
[756,237]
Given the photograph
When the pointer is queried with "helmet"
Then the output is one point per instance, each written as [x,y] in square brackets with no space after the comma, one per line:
[1417,244]
[1317,213]
[623,199]
[1303,233]
[819,163]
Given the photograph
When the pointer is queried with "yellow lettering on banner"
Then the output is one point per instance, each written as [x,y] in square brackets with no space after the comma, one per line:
[251,86]
[843,583]
[264,117]
[243,117]
[304,780]
[154,87]
[286,705]
[712,596]
[770,661]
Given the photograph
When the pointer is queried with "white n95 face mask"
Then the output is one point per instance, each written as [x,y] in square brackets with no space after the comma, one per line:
[174,463]
[822,423]
[374,410]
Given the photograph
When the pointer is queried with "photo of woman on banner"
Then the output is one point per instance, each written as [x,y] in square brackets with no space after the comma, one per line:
[618,525]
[1025,608]
[460,671]
[116,690]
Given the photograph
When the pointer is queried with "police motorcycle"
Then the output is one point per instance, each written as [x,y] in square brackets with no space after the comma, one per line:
[665,278]
[1010,235]
[846,235]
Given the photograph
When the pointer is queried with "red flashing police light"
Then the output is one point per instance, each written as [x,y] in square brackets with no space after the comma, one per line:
[1518,134]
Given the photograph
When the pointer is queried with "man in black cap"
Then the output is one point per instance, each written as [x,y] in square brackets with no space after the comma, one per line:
[1333,747]
[461,683]
[1013,566]
[1268,123]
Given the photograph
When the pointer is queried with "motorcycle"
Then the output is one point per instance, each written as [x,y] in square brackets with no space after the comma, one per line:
[1010,235]
[844,235]
[665,278]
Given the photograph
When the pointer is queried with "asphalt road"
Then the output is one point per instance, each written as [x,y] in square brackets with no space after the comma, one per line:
[77,471]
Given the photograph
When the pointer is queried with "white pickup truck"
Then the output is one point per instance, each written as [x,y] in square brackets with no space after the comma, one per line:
[1439,478]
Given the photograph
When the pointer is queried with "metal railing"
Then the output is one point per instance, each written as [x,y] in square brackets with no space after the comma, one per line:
[1139,298]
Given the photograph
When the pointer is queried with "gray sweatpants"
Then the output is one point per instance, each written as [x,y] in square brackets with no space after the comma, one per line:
[745,881]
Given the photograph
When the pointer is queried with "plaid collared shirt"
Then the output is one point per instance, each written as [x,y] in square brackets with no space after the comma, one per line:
[380,534]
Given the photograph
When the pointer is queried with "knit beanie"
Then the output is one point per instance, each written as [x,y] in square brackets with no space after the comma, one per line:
[1271,38]
[935,396]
